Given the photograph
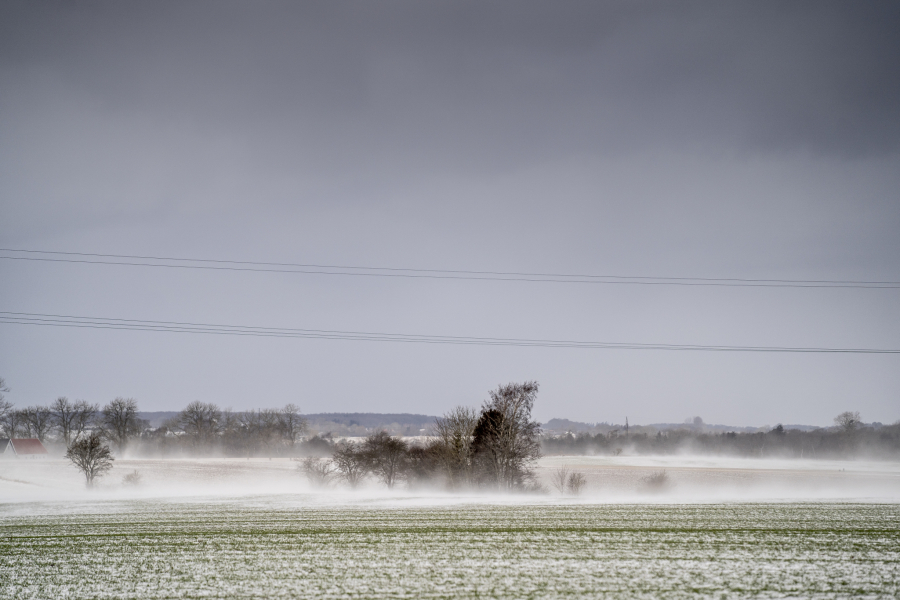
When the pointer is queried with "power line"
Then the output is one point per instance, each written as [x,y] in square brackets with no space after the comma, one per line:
[408,273]
[53,320]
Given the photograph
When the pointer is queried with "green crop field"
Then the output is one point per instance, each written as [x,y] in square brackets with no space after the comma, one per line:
[277,547]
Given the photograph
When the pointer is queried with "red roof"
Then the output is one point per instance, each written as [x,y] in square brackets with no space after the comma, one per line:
[28,446]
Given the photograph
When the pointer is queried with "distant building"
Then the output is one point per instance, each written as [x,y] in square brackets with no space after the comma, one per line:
[25,448]
[4,445]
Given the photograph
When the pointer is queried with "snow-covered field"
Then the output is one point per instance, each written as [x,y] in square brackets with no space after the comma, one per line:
[253,529]
[285,547]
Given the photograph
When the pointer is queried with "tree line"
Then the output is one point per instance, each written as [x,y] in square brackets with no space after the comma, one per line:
[849,437]
[202,428]
[65,421]
[494,447]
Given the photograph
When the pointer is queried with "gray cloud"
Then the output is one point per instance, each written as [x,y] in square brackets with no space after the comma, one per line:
[464,83]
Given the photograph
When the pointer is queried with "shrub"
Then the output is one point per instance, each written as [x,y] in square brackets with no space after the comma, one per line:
[658,481]
[319,471]
[132,479]
[575,483]
[559,479]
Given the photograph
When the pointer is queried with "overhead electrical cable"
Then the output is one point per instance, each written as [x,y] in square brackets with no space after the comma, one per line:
[411,273]
[54,320]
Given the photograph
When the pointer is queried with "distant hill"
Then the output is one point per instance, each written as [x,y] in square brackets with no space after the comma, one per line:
[711,427]
[341,424]
[372,419]
[357,424]
[362,424]
[560,426]
[156,418]
[565,425]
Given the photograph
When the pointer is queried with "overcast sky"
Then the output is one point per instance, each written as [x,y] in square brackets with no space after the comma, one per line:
[675,139]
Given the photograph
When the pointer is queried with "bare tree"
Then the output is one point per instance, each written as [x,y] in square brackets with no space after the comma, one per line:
[200,421]
[23,423]
[6,413]
[63,417]
[14,424]
[120,421]
[38,420]
[576,483]
[132,479]
[506,440]
[232,431]
[424,463]
[388,457]
[91,456]
[319,471]
[455,431]
[351,462]
[293,425]
[261,429]
[848,420]
[5,407]
[566,481]
[559,479]
[85,416]
[658,481]
[230,420]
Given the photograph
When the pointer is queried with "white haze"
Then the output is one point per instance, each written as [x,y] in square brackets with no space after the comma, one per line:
[35,486]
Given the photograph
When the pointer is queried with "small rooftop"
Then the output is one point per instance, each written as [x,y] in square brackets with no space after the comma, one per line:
[27,446]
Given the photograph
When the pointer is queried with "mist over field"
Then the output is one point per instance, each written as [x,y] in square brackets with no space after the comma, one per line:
[609,480]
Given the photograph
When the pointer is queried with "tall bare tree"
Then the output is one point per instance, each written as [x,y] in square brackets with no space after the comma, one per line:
[233,438]
[6,407]
[120,421]
[39,421]
[85,416]
[91,456]
[506,441]
[230,420]
[71,419]
[14,424]
[455,431]
[261,430]
[293,425]
[63,417]
[848,420]
[560,479]
[201,422]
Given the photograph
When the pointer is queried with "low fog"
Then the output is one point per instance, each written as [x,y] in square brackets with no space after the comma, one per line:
[495,452]
[55,485]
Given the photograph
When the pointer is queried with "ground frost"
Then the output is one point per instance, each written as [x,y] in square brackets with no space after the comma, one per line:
[157,549]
